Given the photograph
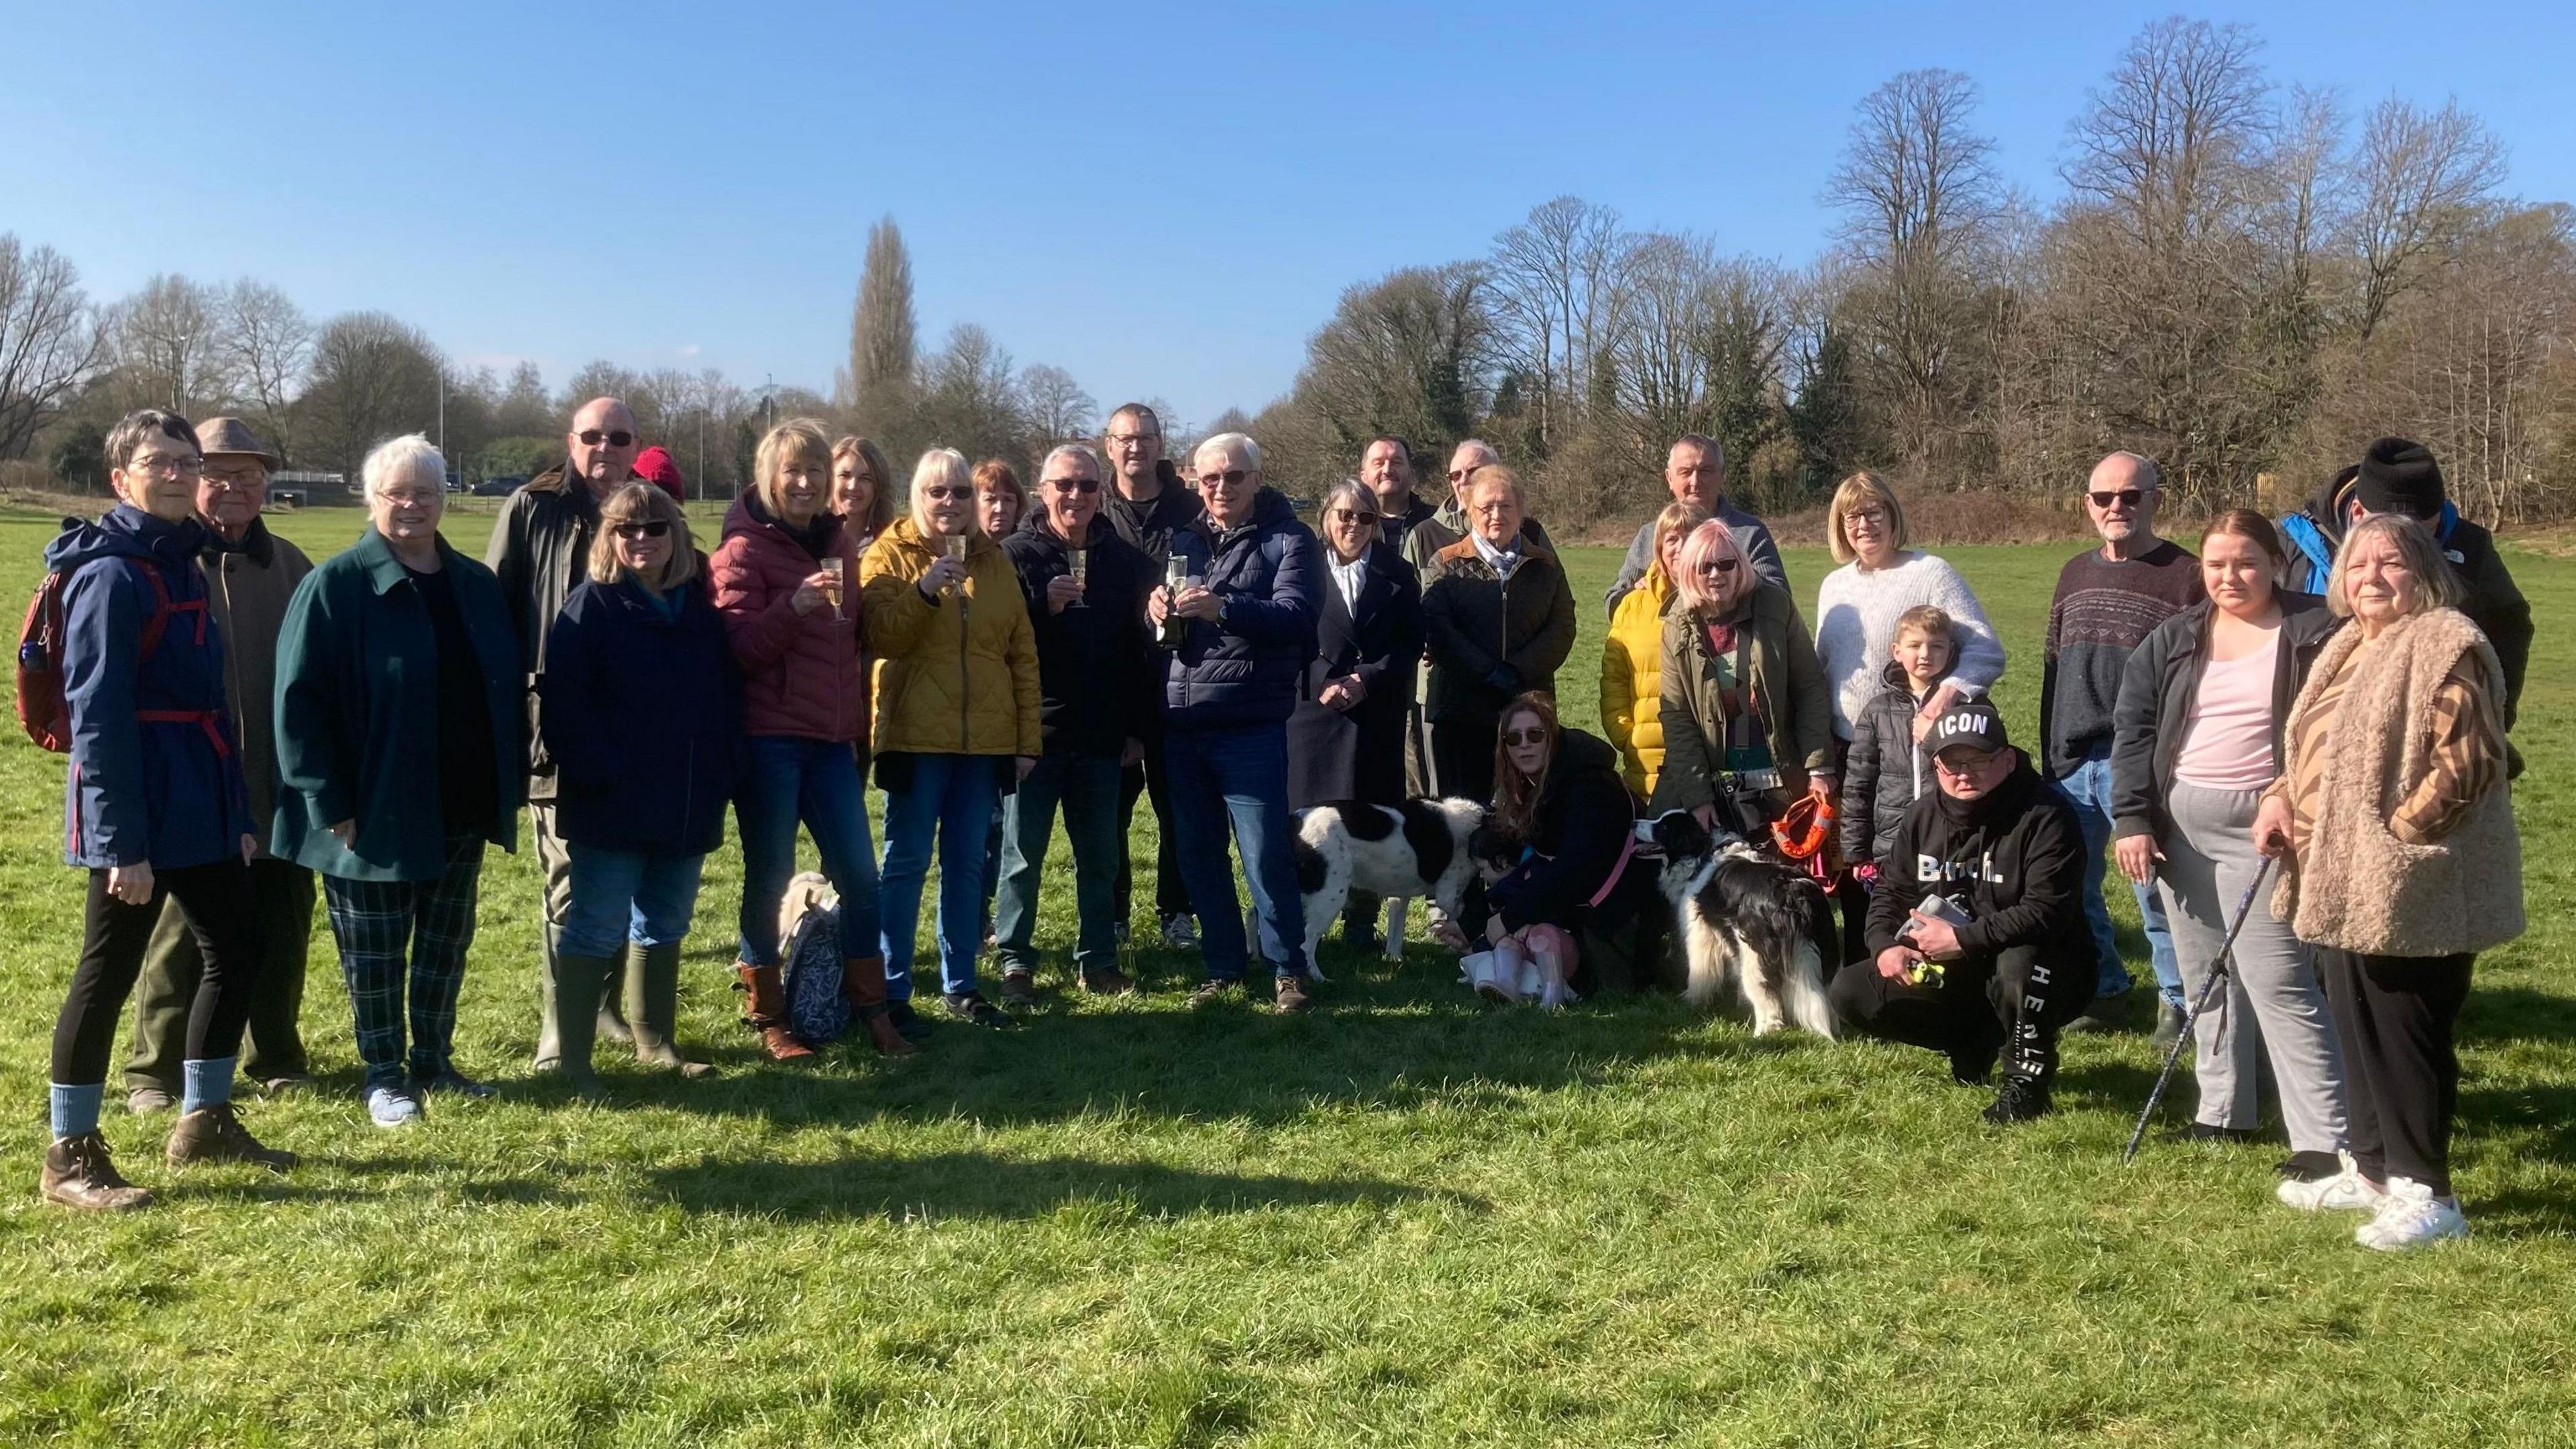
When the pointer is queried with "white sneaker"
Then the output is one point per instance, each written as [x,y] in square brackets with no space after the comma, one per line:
[2345,1192]
[392,1107]
[2410,1217]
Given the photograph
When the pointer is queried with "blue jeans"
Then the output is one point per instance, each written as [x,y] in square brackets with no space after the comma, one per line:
[1087,787]
[950,796]
[2087,787]
[623,895]
[788,780]
[1238,776]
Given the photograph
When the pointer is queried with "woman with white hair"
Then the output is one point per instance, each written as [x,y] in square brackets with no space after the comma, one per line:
[957,717]
[400,719]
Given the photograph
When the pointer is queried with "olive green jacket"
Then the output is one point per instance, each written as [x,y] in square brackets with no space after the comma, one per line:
[1788,689]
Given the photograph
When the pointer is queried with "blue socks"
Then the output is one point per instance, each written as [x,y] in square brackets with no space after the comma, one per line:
[75,1108]
[209,1083]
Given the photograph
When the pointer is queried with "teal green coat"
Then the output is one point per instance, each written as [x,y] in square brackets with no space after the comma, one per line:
[357,714]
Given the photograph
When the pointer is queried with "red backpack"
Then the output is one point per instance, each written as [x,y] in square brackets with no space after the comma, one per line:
[42,711]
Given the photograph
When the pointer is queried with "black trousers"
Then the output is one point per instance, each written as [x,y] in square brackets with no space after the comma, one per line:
[1171,894]
[2393,1017]
[282,897]
[216,901]
[2013,1001]
[1462,753]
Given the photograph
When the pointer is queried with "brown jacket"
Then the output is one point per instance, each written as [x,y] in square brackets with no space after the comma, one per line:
[1478,623]
[961,673]
[247,590]
[2355,885]
[1789,693]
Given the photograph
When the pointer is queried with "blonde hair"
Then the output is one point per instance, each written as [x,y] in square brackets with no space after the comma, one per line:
[880,511]
[1858,491]
[642,503]
[2436,586]
[1932,622]
[943,465]
[1677,517]
[799,440]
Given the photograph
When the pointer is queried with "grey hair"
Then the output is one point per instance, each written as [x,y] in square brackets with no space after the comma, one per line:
[1709,447]
[397,458]
[1483,449]
[1084,451]
[2150,477]
[1363,500]
[1232,443]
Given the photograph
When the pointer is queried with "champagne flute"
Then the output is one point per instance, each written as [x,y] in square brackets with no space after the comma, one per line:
[834,566]
[956,543]
[1078,568]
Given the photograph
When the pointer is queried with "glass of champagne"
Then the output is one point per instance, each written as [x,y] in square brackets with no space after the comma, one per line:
[956,543]
[1078,568]
[835,567]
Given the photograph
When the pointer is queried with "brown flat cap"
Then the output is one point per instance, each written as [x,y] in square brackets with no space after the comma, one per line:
[232,435]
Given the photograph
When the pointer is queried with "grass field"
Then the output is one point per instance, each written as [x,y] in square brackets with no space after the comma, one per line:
[1405,1219]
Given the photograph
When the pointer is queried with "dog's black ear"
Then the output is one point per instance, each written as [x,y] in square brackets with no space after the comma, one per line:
[1680,834]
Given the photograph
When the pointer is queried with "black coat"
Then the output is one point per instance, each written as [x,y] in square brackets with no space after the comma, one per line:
[1885,771]
[643,715]
[1579,828]
[2016,861]
[2156,691]
[1098,674]
[1358,754]
[1148,528]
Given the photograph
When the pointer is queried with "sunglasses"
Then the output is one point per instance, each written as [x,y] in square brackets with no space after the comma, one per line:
[936,490]
[1718,566]
[2126,497]
[654,528]
[593,437]
[1074,485]
[1530,736]
[1349,515]
[1231,478]
[1459,475]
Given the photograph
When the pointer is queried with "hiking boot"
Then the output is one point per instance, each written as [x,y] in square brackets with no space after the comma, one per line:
[1212,992]
[1181,933]
[907,1022]
[1107,981]
[971,1007]
[2169,1020]
[391,1107]
[144,1101]
[1289,994]
[213,1133]
[2410,1217]
[1020,986]
[765,1011]
[80,1174]
[2339,1189]
[2021,1100]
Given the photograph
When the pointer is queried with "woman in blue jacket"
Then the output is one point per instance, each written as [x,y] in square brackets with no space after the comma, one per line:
[643,713]
[154,806]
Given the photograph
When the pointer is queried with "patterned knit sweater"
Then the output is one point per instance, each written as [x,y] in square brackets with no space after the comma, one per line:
[2104,608]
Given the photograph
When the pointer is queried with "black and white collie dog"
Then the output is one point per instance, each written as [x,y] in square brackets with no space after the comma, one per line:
[1418,848]
[1751,920]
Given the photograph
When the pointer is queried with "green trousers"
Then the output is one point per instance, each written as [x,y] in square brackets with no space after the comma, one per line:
[282,901]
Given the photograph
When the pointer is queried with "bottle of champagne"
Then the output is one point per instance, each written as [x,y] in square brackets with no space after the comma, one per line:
[1176,572]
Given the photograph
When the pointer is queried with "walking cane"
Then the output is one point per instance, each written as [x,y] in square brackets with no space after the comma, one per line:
[2217,971]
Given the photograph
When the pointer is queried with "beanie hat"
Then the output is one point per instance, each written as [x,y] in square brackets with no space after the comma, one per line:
[655,465]
[2399,476]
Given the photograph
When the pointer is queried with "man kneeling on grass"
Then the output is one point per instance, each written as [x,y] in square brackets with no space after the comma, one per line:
[1978,937]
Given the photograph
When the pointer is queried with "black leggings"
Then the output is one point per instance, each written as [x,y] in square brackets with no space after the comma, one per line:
[2393,1017]
[216,901]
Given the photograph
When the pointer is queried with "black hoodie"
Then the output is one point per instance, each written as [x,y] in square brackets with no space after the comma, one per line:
[2014,859]
[1579,829]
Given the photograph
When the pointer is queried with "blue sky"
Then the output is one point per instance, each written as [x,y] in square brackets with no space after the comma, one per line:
[1165,200]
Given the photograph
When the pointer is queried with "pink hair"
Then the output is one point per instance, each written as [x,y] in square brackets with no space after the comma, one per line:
[1710,540]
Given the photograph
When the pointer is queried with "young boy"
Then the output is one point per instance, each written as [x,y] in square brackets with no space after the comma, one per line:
[1887,770]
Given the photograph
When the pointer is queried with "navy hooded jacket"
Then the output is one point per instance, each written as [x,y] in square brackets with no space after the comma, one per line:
[1249,666]
[643,718]
[155,766]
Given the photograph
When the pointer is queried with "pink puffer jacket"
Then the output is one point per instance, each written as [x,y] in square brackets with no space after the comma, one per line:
[802,674]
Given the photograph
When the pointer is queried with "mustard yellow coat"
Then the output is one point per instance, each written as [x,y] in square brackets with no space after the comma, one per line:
[1632,681]
[959,675]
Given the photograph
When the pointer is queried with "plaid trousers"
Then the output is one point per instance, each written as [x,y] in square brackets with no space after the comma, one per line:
[374,921]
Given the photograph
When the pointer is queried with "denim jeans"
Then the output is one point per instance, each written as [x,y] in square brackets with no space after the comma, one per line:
[621,895]
[950,796]
[1238,776]
[1086,786]
[2087,787]
[788,780]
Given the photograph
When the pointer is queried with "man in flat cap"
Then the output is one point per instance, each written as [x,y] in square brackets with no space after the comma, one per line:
[251,573]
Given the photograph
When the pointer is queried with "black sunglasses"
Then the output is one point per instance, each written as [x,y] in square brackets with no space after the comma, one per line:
[1231,478]
[1530,736]
[654,528]
[1718,566]
[941,490]
[592,437]
[1074,485]
[2126,497]
[1349,515]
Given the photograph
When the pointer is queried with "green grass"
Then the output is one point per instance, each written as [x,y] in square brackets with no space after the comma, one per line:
[1407,1219]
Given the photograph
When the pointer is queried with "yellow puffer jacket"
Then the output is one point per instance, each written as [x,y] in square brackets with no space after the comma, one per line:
[960,674]
[1632,681]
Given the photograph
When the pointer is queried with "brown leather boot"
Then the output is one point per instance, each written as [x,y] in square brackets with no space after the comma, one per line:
[79,1174]
[213,1134]
[863,986]
[765,1011]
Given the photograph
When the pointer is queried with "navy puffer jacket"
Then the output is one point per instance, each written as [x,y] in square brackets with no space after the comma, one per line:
[1249,666]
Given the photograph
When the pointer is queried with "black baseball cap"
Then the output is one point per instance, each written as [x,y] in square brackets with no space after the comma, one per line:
[1975,723]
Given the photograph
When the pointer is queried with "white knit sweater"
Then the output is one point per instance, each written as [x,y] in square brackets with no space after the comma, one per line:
[1856,611]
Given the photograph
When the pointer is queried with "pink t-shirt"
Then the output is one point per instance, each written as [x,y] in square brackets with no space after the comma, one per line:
[2227,735]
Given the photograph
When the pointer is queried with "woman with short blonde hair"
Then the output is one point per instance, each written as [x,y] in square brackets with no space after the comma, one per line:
[630,505]
[1880,578]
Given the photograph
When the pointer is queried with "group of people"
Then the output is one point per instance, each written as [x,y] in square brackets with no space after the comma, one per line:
[241,722]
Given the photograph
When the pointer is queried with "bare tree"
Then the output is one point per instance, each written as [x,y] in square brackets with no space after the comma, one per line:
[970,399]
[883,349]
[1557,302]
[265,346]
[49,343]
[1407,354]
[2422,177]
[374,377]
[2166,143]
[165,346]
[1058,407]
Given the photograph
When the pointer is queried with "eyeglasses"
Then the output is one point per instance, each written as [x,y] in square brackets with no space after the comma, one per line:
[1231,478]
[161,465]
[1074,485]
[651,528]
[937,490]
[593,437]
[235,478]
[1349,515]
[1961,768]
[1867,515]
[1132,440]
[2125,497]
[1718,566]
[1531,736]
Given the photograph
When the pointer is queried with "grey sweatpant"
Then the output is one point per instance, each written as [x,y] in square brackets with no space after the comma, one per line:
[2271,997]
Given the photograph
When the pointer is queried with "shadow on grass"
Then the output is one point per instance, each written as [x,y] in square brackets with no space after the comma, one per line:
[967,1184]
[2516,1013]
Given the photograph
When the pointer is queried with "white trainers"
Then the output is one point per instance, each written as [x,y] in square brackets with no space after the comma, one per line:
[2410,1217]
[2346,1191]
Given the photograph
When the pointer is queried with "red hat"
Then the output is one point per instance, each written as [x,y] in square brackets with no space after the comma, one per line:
[654,465]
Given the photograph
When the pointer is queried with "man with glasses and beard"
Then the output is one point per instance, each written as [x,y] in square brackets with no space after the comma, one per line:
[2109,599]
[540,552]
[1145,505]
